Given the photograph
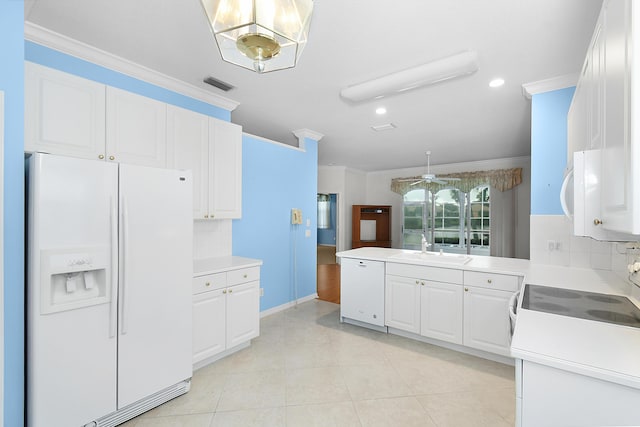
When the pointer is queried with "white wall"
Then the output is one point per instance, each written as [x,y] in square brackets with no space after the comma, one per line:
[350,186]
[378,192]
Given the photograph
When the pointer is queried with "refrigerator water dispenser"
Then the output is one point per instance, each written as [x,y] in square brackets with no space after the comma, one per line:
[74,278]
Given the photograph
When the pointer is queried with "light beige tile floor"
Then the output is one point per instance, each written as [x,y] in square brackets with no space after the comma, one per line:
[307,369]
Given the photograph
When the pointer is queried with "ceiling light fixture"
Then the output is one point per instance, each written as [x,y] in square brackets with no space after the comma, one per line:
[426,74]
[381,110]
[260,35]
[496,82]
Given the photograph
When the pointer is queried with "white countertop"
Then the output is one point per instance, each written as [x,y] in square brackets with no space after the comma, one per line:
[596,349]
[202,267]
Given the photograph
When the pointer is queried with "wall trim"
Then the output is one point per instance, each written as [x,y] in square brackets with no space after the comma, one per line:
[287,305]
[271,141]
[45,37]
[1,255]
[547,85]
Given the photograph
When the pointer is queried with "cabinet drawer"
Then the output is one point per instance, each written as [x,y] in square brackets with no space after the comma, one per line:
[503,282]
[243,275]
[209,282]
[436,274]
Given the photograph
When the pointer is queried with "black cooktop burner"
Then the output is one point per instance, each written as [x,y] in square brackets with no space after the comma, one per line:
[584,305]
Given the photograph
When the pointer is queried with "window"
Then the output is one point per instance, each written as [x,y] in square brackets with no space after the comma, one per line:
[460,220]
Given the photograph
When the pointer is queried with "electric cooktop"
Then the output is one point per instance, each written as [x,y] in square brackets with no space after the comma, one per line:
[584,305]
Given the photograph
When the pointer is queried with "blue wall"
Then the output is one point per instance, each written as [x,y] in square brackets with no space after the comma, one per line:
[275,179]
[72,65]
[12,83]
[327,236]
[548,149]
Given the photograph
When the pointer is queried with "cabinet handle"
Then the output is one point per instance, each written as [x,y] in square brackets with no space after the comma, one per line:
[466,289]
[207,284]
[112,158]
[101,156]
[597,222]
[488,280]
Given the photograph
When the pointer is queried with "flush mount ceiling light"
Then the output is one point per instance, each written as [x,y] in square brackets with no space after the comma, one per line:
[432,72]
[496,82]
[381,111]
[260,35]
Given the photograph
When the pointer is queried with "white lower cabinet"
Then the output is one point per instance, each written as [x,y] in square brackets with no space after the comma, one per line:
[486,320]
[441,311]
[416,303]
[226,311]
[402,303]
[554,397]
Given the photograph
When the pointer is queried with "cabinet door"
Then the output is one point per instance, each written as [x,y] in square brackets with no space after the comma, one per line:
[243,313]
[136,129]
[402,303]
[188,148]
[441,311]
[620,161]
[362,290]
[486,320]
[64,114]
[209,319]
[596,87]
[225,151]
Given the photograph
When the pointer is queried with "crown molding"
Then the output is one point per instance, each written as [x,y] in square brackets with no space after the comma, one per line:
[547,85]
[40,35]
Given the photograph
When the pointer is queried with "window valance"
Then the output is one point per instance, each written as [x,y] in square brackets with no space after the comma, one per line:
[500,179]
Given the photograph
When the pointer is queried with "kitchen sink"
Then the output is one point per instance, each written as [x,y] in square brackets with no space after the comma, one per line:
[433,257]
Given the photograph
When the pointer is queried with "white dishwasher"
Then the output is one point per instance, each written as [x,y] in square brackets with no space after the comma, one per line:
[362,291]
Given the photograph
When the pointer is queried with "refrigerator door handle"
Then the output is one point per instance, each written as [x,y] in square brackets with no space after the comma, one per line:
[113,310]
[123,266]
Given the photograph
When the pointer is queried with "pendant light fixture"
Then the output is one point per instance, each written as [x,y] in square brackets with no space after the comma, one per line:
[260,35]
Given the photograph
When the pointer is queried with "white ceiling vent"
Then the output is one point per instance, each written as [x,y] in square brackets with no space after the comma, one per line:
[387,126]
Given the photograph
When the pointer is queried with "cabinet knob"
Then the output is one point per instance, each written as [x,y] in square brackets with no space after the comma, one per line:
[206,216]
[488,280]
[597,222]
[224,292]
[230,290]
[466,289]
[112,158]
[101,156]
[245,276]
[422,283]
[207,284]
[417,282]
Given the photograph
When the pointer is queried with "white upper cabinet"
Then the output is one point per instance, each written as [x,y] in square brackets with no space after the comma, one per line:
[212,149]
[188,146]
[65,114]
[136,129]
[602,119]
[621,148]
[225,153]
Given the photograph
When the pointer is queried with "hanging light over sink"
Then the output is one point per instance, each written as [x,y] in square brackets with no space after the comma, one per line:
[260,35]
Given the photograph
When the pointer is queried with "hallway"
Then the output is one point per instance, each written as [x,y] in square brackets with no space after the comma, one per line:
[328,276]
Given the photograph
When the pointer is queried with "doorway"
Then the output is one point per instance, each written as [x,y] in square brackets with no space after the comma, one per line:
[328,276]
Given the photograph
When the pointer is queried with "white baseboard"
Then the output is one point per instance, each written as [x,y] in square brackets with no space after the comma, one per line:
[287,305]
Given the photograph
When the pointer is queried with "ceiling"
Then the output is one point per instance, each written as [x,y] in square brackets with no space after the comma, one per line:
[353,41]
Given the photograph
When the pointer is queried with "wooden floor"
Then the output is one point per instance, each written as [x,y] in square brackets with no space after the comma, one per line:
[328,275]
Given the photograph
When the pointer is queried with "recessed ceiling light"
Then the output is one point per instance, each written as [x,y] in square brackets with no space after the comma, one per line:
[381,110]
[496,82]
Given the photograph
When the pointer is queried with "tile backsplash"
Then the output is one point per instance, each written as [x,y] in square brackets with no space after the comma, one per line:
[552,242]
[212,238]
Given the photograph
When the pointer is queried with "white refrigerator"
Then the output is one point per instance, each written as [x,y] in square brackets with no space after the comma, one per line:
[109,273]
